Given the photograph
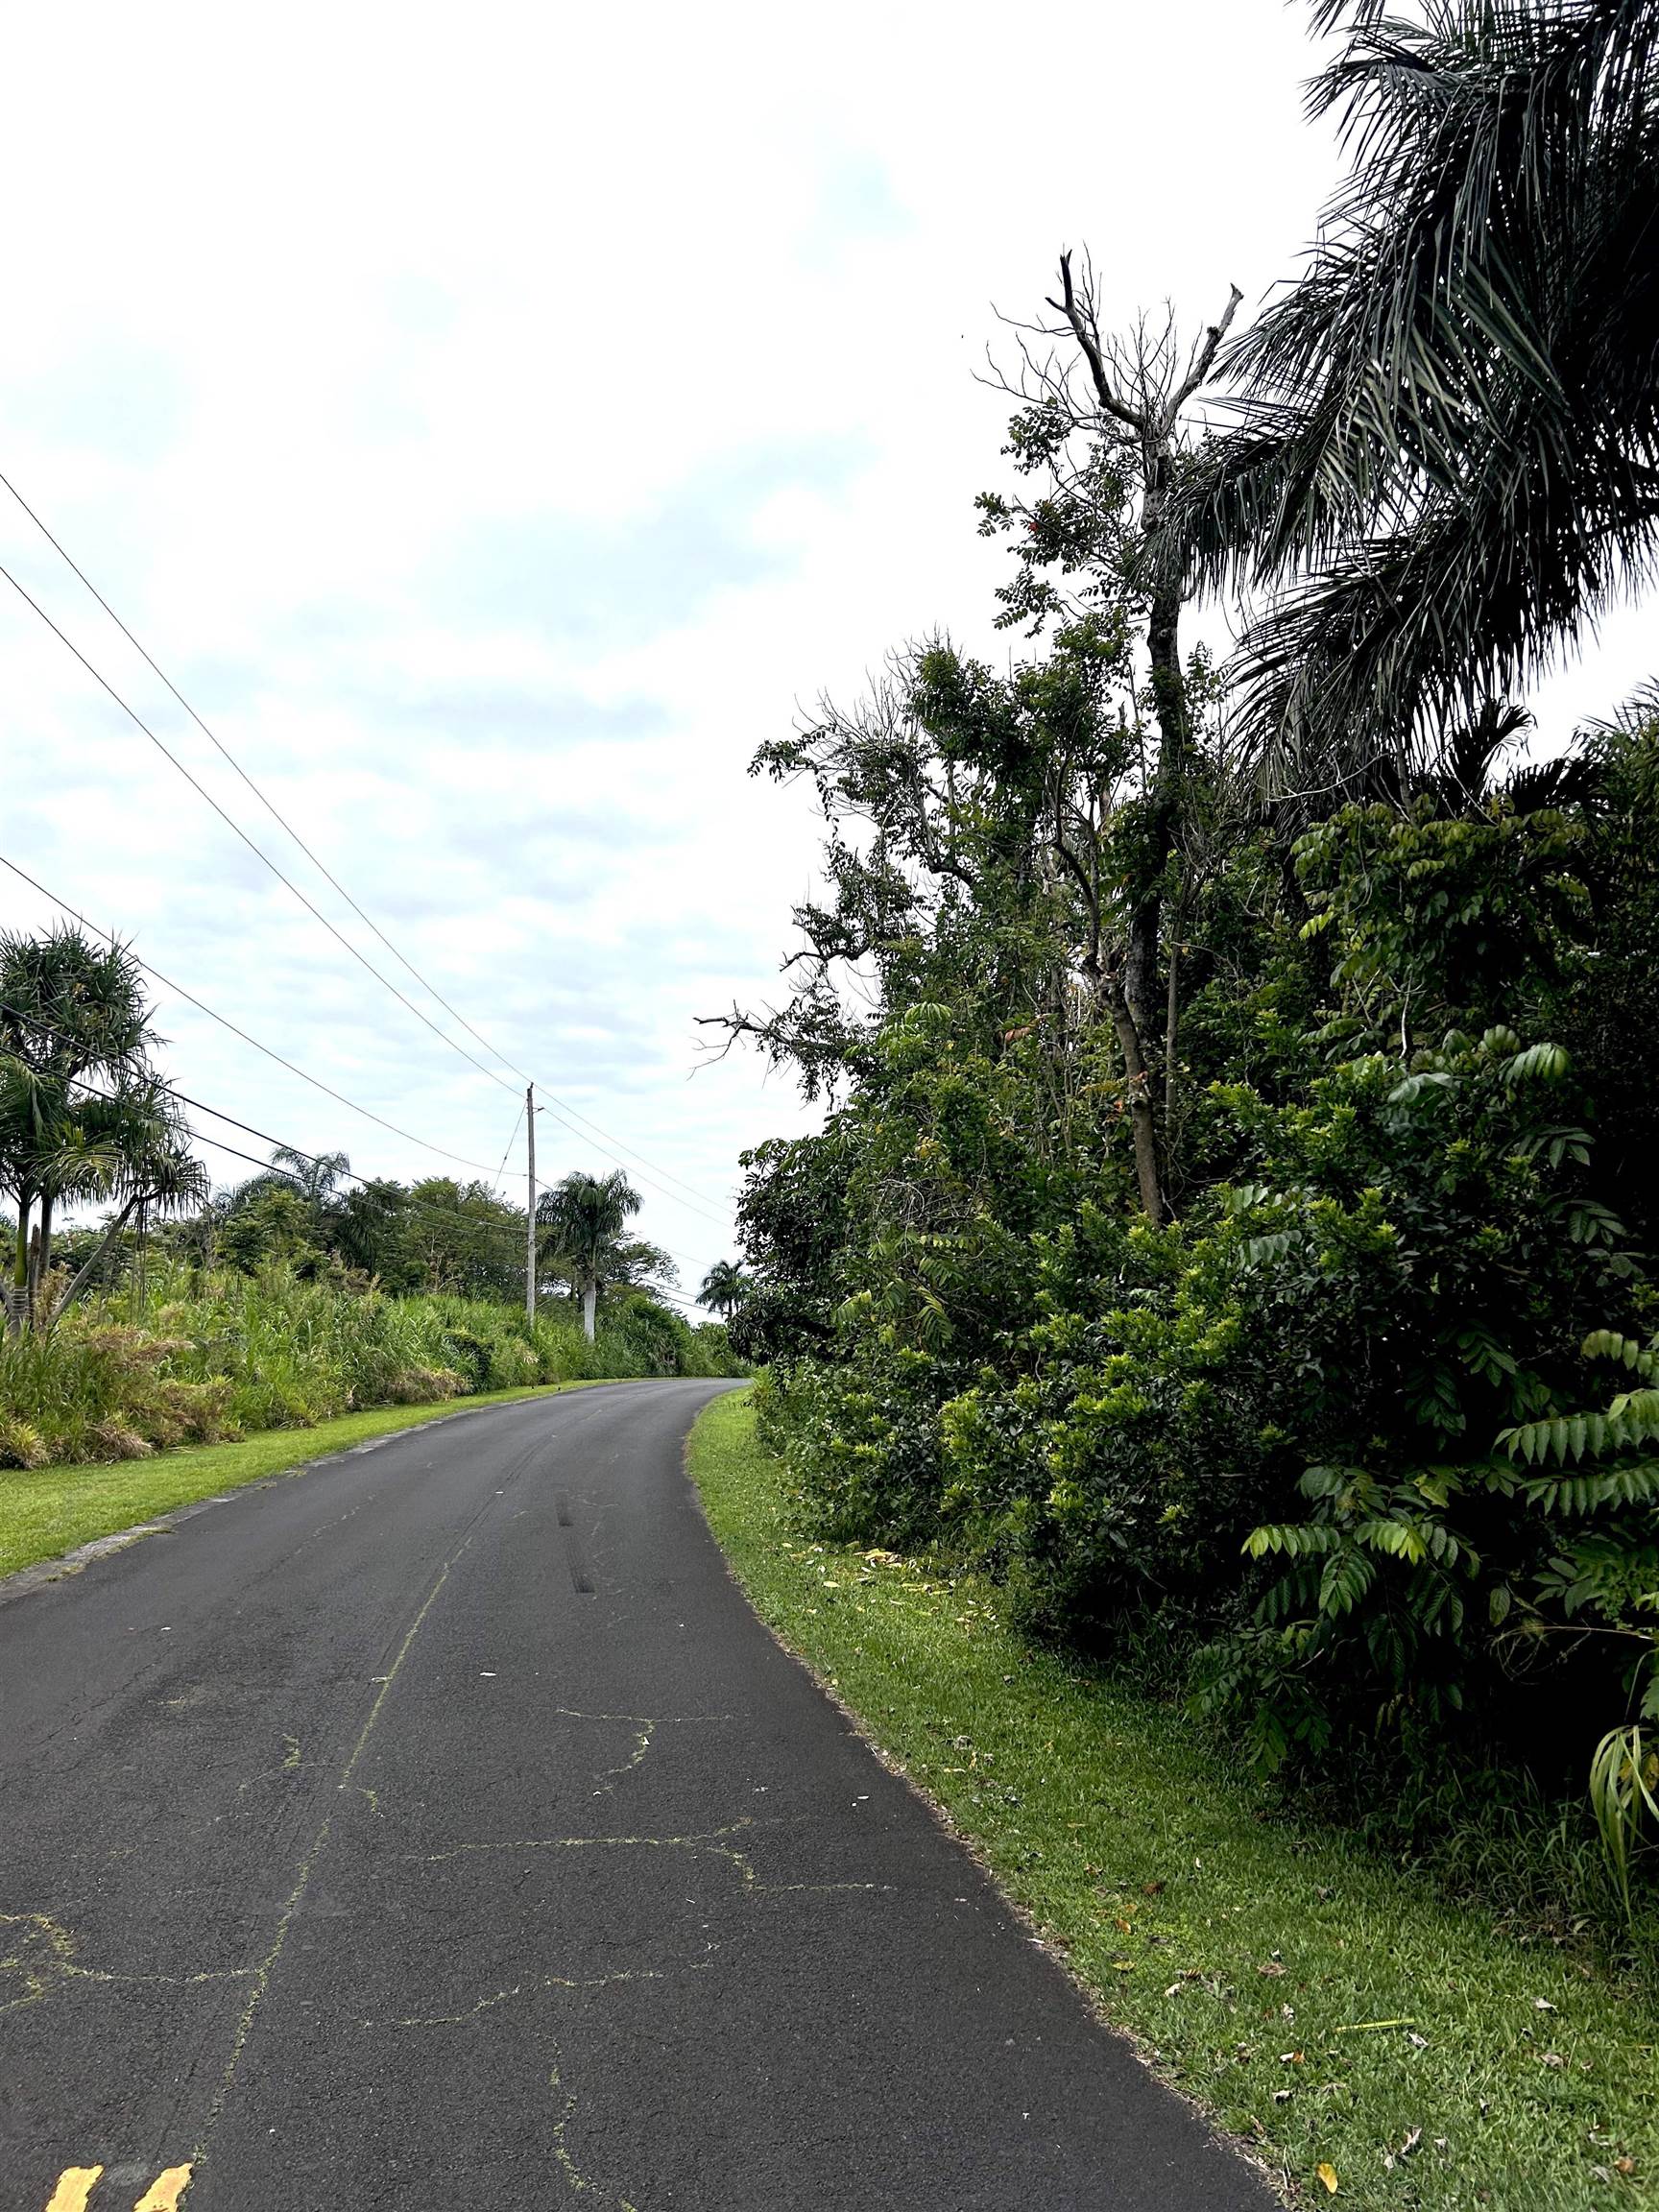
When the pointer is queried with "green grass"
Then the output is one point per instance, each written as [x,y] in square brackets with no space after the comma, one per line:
[1322,2004]
[47,1511]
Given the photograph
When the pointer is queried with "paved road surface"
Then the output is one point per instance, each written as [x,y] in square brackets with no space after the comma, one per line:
[439,1829]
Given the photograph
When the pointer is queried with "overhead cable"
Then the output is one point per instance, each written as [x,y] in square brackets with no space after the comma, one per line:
[280,1145]
[258,850]
[560,1107]
[224,1022]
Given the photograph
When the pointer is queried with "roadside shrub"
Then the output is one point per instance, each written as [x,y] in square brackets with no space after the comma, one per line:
[113,1440]
[23,1445]
[203,1355]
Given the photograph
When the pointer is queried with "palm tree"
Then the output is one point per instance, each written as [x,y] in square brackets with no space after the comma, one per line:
[74,1085]
[724,1290]
[135,1150]
[1447,451]
[315,1175]
[582,1218]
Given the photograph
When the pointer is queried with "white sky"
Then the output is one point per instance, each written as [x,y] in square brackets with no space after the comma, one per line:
[496,421]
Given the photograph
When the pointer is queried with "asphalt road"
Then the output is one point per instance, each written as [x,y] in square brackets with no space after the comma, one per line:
[439,1829]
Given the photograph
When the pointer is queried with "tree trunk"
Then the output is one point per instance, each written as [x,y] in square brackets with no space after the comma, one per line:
[590,1300]
[42,1257]
[1143,1122]
[17,1300]
[1171,1031]
[78,1284]
[1169,704]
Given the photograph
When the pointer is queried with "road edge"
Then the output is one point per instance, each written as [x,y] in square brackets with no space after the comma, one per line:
[1278,2182]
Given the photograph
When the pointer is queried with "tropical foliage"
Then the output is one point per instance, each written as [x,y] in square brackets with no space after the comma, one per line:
[185,1314]
[1447,430]
[204,1354]
[83,1115]
[1232,1180]
[724,1289]
[581,1241]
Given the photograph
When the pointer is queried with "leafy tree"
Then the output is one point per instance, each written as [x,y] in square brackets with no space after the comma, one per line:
[1103,432]
[270,1222]
[316,1176]
[369,1228]
[461,1237]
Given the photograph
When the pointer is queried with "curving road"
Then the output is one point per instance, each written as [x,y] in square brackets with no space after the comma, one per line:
[439,1829]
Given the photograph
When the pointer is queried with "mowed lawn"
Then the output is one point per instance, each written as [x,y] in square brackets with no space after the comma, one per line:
[50,1510]
[1373,2044]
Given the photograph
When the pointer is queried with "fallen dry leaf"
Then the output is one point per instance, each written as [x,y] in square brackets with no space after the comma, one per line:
[1327,2174]
[1272,1966]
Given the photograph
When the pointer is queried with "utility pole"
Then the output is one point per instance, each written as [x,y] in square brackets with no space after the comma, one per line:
[530,1229]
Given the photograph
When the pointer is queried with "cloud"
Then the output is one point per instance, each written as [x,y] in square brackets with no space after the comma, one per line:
[613,581]
[125,402]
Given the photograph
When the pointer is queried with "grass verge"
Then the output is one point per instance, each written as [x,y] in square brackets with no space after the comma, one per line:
[47,1511]
[1368,2039]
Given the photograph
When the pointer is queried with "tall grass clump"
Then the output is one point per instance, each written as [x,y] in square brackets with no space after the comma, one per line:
[198,1355]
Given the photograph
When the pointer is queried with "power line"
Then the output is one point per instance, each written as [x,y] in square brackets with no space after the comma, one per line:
[231,759]
[224,1022]
[473,1222]
[236,830]
[501,1171]
[38,1021]
[470,1221]
[597,1133]
[479,1226]
[294,1069]
[410,1195]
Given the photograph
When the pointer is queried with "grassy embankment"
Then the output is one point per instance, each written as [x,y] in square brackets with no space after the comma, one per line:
[46,1511]
[1363,2035]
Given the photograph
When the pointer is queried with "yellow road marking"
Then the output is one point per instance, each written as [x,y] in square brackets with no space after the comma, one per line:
[165,2190]
[74,2188]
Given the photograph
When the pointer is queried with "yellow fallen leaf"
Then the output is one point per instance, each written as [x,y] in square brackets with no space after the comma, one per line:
[1327,2174]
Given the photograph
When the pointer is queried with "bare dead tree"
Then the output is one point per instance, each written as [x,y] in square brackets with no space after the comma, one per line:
[1127,396]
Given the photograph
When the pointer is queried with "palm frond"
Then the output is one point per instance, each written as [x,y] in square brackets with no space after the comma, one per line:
[1460,396]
